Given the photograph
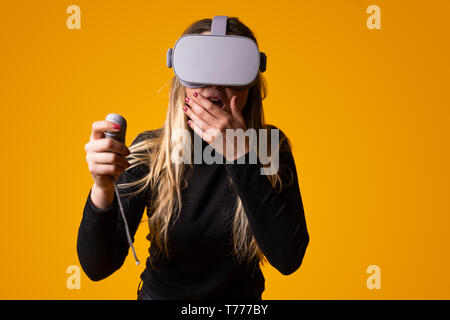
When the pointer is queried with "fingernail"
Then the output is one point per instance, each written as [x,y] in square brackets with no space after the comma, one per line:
[116,126]
[189,122]
[185,108]
[187,99]
[195,94]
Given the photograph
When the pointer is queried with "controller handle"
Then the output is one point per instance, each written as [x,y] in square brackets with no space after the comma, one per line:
[118,119]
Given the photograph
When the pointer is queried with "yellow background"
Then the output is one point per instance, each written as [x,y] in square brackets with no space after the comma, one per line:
[367,112]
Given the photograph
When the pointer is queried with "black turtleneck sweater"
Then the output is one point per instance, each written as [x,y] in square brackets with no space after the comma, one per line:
[201,265]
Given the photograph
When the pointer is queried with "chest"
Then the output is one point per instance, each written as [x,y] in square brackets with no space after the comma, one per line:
[208,208]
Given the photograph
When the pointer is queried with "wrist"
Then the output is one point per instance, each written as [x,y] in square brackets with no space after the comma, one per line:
[107,188]
[102,197]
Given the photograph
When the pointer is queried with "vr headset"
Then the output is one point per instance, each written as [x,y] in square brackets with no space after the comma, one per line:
[199,60]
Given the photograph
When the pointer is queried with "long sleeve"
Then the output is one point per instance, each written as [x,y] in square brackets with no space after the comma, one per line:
[277,220]
[102,244]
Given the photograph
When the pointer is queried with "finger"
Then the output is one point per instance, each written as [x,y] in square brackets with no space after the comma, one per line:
[200,109]
[196,118]
[213,109]
[109,145]
[102,145]
[99,128]
[198,130]
[106,169]
[200,112]
[108,158]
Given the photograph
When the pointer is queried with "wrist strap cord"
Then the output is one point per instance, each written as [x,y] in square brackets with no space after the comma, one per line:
[127,230]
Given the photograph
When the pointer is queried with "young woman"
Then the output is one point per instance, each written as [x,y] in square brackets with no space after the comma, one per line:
[210,225]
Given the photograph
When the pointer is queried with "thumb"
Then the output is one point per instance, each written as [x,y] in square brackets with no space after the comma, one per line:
[235,112]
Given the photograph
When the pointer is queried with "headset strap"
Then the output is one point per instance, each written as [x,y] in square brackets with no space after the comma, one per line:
[219,25]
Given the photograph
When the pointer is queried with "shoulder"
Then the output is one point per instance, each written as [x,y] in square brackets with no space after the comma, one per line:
[145,143]
[147,135]
[273,127]
[141,149]
[284,141]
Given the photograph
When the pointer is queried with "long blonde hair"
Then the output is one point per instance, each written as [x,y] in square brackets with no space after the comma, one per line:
[166,179]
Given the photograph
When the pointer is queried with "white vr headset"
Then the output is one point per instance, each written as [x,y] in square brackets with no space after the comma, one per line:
[199,60]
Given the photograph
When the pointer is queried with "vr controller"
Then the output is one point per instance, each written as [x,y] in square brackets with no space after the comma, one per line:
[120,136]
